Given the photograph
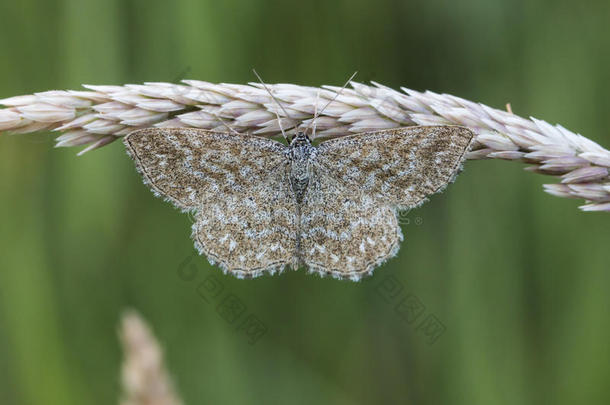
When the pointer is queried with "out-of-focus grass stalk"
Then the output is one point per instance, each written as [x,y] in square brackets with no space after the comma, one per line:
[144,377]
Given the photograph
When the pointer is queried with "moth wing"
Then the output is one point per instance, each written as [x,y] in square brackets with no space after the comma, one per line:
[238,186]
[250,233]
[189,166]
[343,233]
[401,166]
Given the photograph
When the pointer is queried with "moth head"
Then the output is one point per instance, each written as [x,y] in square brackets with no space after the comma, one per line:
[300,138]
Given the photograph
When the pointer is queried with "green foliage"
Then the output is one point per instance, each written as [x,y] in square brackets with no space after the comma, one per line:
[519,278]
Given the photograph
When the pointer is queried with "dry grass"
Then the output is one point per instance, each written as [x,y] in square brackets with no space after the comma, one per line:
[145,380]
[99,116]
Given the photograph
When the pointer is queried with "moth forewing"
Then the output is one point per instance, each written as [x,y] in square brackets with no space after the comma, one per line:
[400,166]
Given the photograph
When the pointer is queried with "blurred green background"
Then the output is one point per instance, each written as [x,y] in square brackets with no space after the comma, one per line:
[518,278]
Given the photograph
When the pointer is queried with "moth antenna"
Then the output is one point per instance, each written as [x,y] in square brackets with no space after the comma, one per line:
[315,116]
[226,125]
[333,99]
[340,91]
[279,121]
[277,102]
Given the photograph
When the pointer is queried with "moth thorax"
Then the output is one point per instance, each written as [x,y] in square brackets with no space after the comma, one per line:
[301,155]
[300,139]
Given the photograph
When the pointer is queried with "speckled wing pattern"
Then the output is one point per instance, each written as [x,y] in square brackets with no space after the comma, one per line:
[247,218]
[348,219]
[400,166]
[343,233]
[226,179]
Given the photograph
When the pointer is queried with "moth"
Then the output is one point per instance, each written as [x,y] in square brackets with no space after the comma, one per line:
[261,206]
